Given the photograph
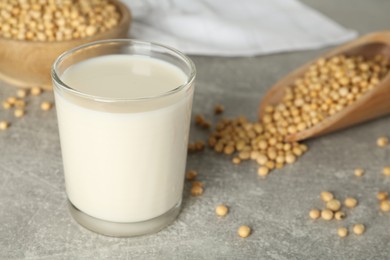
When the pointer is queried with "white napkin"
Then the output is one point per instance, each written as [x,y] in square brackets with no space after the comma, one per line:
[234,28]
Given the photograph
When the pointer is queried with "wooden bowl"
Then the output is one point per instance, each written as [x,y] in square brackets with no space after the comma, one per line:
[27,64]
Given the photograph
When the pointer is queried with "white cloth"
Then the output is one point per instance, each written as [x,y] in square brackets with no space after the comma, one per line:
[234,28]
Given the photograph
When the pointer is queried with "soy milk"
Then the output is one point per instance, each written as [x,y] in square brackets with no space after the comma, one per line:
[124,163]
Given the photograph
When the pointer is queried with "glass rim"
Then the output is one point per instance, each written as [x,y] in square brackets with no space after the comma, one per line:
[61,85]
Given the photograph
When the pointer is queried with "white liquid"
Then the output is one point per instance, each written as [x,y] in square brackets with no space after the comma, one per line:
[124,162]
[123,76]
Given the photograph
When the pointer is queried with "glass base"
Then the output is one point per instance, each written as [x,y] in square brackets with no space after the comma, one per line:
[117,229]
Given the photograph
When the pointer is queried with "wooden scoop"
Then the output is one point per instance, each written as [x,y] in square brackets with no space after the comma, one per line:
[373,104]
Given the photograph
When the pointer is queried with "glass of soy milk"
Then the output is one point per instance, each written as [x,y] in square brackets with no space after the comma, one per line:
[124,111]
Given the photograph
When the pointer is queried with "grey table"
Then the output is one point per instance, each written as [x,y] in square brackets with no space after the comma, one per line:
[35,223]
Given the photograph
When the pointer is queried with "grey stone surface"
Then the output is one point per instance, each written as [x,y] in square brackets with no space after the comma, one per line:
[35,223]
